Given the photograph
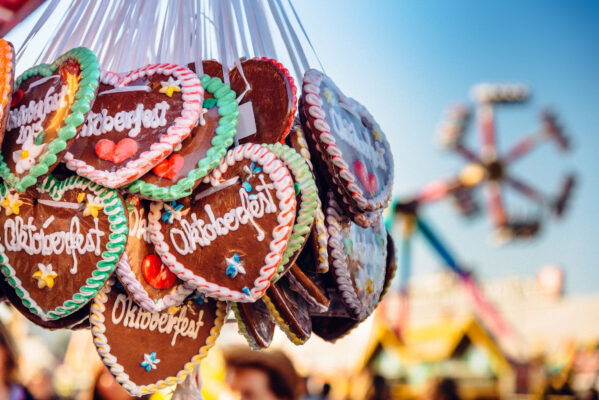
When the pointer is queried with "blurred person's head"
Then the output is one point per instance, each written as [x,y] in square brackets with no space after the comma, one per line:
[261,375]
[8,357]
[443,389]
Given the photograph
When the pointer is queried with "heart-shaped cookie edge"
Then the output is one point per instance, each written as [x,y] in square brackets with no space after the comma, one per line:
[244,329]
[341,272]
[7,61]
[283,184]
[313,109]
[86,93]
[192,94]
[319,229]
[98,328]
[225,132]
[140,295]
[304,217]
[282,323]
[114,209]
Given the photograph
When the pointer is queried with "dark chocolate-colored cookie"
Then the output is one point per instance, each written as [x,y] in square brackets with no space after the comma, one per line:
[255,323]
[289,310]
[304,283]
[351,144]
[272,94]
[391,264]
[50,103]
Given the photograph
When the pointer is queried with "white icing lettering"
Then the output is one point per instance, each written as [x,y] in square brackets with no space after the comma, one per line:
[100,123]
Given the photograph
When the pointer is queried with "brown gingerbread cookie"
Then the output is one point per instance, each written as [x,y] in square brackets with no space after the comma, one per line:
[141,271]
[289,310]
[147,351]
[356,153]
[255,323]
[136,122]
[49,105]
[210,67]
[306,285]
[227,239]
[272,94]
[61,243]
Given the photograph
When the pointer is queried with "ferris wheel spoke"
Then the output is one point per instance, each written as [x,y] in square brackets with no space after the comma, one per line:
[486,130]
[466,153]
[526,189]
[495,204]
[523,147]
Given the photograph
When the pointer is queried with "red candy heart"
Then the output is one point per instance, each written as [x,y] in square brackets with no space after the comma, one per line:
[116,153]
[17,96]
[368,180]
[169,168]
[156,273]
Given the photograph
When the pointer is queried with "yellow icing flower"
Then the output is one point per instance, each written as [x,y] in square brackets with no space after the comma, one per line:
[92,206]
[11,203]
[328,95]
[80,197]
[169,87]
[45,276]
[376,134]
[369,286]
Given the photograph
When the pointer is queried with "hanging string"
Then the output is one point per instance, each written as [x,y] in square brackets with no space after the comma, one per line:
[40,22]
[264,31]
[198,35]
[298,72]
[236,5]
[299,22]
[298,47]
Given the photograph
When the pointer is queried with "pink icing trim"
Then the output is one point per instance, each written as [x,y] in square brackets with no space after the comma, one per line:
[192,94]
[285,193]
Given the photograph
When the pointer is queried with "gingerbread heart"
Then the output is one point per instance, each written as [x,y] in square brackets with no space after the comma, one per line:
[144,115]
[182,172]
[304,283]
[358,258]
[271,92]
[289,310]
[356,153]
[45,120]
[319,237]
[7,77]
[60,243]
[254,323]
[149,282]
[227,239]
[147,351]
[307,202]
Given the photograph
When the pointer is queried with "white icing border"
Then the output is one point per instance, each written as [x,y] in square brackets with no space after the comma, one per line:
[285,193]
[313,105]
[139,293]
[192,94]
[98,328]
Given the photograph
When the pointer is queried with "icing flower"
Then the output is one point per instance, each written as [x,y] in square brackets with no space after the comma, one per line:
[173,211]
[11,203]
[45,276]
[169,87]
[234,266]
[376,134]
[199,299]
[251,170]
[246,290]
[369,286]
[25,158]
[80,197]
[92,206]
[150,361]
[328,95]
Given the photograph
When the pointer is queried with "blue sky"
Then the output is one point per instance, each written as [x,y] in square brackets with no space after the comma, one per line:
[408,60]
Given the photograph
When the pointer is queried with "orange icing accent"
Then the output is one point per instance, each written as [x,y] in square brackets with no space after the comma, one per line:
[6,74]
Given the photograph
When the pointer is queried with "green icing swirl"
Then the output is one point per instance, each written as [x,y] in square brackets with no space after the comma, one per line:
[115,209]
[88,84]
[225,132]
[302,176]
